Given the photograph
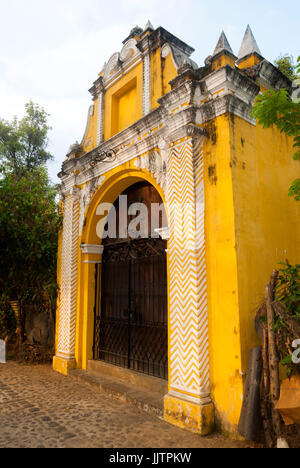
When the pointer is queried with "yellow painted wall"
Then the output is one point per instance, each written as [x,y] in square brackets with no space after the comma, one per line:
[221,61]
[90,140]
[162,72]
[251,225]
[169,73]
[249,61]
[223,307]
[156,78]
[267,221]
[124,105]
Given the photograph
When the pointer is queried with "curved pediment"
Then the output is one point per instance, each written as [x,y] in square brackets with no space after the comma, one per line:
[118,58]
[129,50]
[112,65]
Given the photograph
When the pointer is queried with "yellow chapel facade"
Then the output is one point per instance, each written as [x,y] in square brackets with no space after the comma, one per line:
[181,306]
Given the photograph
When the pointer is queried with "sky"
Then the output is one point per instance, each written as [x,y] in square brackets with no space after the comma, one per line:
[51,51]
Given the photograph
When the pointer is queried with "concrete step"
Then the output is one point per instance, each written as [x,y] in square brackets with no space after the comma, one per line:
[145,400]
[127,376]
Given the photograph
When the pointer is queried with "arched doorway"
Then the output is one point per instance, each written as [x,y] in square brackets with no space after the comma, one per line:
[131,300]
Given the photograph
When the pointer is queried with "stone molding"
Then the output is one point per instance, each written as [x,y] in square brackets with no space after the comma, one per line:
[189,130]
[157,165]
[91,249]
[86,196]
[179,58]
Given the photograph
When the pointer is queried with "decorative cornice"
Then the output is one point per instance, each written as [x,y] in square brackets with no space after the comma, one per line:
[157,165]
[90,249]
[159,37]
[273,77]
[97,87]
[75,193]
[189,130]
[232,81]
[180,59]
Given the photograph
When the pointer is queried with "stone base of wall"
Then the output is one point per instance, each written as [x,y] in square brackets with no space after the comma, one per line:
[63,365]
[187,415]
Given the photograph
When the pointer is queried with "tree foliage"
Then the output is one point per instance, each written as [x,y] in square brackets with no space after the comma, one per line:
[277,108]
[28,232]
[23,144]
[29,224]
[285,63]
[288,294]
[29,219]
[288,289]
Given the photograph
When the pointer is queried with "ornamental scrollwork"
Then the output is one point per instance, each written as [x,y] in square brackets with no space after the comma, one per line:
[101,156]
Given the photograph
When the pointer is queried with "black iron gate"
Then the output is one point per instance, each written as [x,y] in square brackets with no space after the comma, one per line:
[131,307]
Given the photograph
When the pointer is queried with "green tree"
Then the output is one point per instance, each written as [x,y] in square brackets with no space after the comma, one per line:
[285,63]
[29,220]
[277,108]
[23,144]
[29,224]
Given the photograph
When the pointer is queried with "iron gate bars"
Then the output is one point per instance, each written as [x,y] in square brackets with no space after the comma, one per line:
[131,307]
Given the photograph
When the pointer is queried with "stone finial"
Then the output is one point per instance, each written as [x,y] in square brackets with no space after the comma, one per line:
[249,44]
[149,26]
[136,31]
[223,45]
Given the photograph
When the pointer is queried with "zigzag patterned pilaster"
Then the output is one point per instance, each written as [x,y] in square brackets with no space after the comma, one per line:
[146,84]
[189,360]
[68,288]
[100,118]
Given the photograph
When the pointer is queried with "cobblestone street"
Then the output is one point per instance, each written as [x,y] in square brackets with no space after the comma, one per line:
[41,408]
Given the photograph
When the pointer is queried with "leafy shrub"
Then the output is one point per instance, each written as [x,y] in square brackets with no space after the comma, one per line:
[288,294]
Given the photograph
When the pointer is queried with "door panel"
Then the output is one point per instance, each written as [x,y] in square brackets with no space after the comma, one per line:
[148,347]
[113,343]
[133,316]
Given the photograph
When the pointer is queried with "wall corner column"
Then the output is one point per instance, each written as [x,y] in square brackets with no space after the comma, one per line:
[64,359]
[188,403]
